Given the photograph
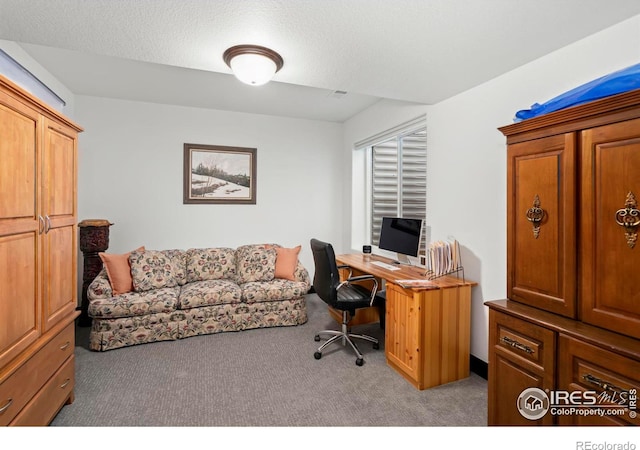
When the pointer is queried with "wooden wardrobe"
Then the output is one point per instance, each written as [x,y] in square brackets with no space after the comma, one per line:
[572,318]
[38,258]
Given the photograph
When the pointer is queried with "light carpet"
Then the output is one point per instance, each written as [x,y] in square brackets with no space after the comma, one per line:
[264,377]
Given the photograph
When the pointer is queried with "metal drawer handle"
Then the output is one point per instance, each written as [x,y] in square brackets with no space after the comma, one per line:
[516,344]
[5,407]
[64,346]
[66,382]
[603,384]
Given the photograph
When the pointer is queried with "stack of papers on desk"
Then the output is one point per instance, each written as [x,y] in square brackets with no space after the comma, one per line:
[443,257]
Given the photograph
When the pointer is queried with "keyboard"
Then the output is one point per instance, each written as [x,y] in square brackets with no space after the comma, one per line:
[385,265]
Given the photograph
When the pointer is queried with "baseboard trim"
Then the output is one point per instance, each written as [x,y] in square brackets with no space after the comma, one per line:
[479,367]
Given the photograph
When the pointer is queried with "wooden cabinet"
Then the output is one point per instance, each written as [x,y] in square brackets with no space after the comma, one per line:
[572,177]
[38,250]
[427,333]
[427,327]
[521,355]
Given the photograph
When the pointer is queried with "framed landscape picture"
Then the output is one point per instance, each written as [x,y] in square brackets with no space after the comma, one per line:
[215,174]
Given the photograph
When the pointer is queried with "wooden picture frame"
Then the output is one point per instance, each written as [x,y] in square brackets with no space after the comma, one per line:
[215,174]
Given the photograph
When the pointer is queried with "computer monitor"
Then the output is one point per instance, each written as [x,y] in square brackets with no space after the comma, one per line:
[402,236]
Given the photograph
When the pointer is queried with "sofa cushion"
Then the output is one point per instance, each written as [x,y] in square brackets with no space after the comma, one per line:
[178,260]
[286,262]
[209,292]
[154,269]
[211,264]
[277,289]
[255,263]
[163,300]
[118,271]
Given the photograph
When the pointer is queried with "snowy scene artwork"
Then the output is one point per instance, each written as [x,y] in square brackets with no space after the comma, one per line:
[217,174]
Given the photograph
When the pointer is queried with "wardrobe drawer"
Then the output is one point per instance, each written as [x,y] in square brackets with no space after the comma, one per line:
[23,384]
[522,341]
[613,378]
[45,405]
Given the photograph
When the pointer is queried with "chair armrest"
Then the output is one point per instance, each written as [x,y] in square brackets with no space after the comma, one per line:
[359,278]
[344,266]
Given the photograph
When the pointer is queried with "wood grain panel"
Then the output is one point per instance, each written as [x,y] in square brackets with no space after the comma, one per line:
[613,377]
[402,338]
[512,370]
[57,392]
[59,182]
[610,268]
[541,270]
[18,155]
[60,293]
[18,294]
[507,380]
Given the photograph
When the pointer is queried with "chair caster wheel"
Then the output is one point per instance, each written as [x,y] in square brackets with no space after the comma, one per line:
[317,338]
[317,355]
[376,346]
[359,362]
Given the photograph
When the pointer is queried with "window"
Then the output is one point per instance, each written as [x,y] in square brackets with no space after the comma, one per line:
[396,178]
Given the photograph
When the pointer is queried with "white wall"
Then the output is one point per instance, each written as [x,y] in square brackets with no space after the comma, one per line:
[131,173]
[466,188]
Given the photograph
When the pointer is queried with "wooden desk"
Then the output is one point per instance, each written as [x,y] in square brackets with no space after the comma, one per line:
[427,330]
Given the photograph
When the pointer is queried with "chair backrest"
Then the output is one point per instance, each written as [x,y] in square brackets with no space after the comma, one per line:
[326,277]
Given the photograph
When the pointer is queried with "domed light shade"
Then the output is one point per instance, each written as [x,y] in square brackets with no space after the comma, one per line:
[253,64]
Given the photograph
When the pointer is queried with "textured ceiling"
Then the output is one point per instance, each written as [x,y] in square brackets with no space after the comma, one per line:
[170,51]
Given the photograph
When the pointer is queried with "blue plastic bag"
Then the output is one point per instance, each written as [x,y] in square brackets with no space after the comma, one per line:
[615,83]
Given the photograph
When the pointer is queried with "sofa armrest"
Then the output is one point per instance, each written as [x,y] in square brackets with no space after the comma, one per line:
[100,287]
[302,275]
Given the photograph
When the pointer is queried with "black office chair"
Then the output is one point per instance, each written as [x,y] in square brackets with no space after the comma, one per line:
[346,296]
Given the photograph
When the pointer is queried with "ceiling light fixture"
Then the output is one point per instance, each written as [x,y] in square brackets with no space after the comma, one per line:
[253,64]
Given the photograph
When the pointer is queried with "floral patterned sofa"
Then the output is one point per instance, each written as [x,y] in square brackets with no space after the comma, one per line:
[177,294]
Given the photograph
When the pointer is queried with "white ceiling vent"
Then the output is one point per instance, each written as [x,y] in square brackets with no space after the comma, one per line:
[337,94]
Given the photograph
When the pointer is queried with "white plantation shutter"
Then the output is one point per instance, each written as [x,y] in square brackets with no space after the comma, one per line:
[399,180]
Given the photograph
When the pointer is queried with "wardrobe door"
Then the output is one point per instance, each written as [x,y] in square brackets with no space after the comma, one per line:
[610,255]
[19,229]
[541,227]
[59,210]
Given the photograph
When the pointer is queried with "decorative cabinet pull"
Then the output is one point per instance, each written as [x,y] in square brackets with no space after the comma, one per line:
[48,227]
[64,346]
[41,225]
[516,344]
[66,382]
[6,406]
[603,384]
[629,218]
[535,214]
